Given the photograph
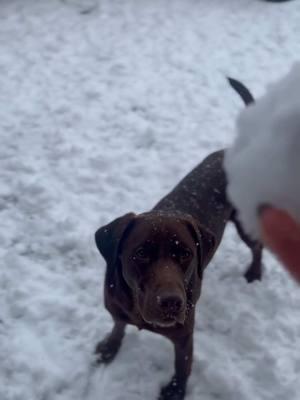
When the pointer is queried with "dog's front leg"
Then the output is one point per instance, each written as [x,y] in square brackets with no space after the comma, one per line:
[107,349]
[175,389]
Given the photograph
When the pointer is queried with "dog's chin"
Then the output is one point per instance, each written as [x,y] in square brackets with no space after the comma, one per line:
[167,323]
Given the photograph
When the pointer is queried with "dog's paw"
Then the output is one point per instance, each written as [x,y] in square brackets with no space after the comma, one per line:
[254,273]
[172,391]
[106,351]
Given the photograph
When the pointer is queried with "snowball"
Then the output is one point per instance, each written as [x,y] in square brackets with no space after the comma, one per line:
[264,162]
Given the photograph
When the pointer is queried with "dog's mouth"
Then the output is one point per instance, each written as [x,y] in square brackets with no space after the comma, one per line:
[154,315]
[162,324]
[168,322]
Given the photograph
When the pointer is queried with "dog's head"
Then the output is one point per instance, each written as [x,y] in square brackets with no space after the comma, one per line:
[158,255]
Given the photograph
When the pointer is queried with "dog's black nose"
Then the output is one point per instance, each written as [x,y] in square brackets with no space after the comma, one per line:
[170,303]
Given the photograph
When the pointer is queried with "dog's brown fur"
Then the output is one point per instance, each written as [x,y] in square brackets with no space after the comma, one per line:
[155,263]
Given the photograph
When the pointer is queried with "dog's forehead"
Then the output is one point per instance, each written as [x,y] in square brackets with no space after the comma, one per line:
[160,227]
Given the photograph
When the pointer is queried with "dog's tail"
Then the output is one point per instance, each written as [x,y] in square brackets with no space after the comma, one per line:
[242,91]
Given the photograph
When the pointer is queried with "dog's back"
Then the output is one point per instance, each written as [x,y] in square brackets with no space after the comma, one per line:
[202,194]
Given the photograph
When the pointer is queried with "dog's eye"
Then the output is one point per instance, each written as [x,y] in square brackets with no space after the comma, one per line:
[141,255]
[185,254]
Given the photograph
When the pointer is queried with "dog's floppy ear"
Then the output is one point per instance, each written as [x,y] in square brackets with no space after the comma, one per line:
[205,242]
[108,237]
[208,246]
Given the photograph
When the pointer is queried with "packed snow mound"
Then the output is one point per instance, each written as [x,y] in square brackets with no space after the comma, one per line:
[264,162]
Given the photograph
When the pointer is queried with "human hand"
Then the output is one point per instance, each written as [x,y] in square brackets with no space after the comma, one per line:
[281,233]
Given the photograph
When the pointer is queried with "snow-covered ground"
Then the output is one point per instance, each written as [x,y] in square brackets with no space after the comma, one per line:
[104,106]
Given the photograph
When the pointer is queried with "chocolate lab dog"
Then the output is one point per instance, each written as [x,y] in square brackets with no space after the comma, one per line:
[155,262]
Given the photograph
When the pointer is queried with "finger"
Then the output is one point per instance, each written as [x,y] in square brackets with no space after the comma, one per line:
[282,235]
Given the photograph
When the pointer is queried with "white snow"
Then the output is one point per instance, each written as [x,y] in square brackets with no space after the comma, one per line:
[104,107]
[263,164]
